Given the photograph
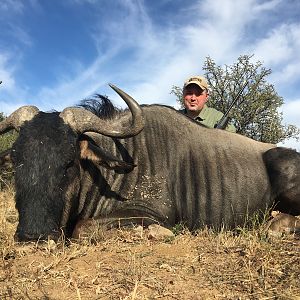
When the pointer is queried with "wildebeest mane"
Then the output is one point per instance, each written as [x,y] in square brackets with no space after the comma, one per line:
[101,106]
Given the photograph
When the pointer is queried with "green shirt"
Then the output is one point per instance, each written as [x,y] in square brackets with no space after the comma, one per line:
[210,117]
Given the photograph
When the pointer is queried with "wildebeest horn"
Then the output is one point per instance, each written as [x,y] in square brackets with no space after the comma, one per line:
[126,125]
[17,118]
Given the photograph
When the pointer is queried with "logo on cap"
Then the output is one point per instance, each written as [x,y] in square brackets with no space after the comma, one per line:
[199,80]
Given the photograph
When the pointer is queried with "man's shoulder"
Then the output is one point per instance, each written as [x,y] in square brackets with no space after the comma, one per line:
[214,116]
[212,111]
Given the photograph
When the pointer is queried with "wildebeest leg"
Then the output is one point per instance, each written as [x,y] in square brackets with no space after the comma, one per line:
[125,217]
[86,229]
[89,227]
[283,166]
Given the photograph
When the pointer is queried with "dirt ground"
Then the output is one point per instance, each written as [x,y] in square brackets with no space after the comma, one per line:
[126,264]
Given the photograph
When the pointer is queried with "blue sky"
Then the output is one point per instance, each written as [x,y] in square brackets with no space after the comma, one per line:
[55,53]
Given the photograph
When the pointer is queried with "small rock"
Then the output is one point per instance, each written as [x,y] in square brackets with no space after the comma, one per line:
[166,267]
[158,232]
[51,245]
[138,231]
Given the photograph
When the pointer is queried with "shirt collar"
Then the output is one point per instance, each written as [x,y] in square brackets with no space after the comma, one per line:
[202,113]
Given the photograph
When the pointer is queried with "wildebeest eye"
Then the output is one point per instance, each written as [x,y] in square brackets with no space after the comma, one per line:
[69,165]
[71,169]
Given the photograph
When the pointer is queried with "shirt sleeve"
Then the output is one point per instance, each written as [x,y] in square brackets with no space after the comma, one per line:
[230,128]
[211,117]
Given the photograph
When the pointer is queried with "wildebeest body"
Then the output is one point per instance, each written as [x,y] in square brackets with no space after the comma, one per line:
[185,173]
[177,178]
[174,170]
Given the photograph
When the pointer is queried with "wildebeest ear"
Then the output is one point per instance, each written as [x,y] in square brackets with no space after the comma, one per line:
[91,152]
[5,159]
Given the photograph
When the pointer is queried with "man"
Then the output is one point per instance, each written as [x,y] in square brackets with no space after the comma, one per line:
[195,96]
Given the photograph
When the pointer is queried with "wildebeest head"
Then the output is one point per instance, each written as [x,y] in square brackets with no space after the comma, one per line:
[46,157]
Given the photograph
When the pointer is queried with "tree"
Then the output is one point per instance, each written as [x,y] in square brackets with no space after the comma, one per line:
[255,113]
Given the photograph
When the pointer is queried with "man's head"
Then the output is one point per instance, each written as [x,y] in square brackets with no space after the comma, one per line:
[195,95]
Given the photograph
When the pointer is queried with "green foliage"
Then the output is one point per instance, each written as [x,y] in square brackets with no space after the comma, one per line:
[179,228]
[256,113]
[6,141]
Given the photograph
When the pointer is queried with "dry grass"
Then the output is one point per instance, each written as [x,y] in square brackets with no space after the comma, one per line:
[125,265]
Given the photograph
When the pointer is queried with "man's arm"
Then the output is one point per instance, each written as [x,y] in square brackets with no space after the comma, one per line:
[231,128]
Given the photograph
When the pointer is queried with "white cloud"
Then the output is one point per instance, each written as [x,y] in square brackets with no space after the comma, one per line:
[290,111]
[10,12]
[10,96]
[280,49]
[293,144]
[10,6]
[6,73]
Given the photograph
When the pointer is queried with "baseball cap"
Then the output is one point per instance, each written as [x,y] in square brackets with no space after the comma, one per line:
[199,80]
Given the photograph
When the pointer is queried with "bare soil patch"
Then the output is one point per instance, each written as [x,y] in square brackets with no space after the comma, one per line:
[124,264]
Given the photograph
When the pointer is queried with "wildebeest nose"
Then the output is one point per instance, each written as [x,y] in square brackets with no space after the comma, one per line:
[27,237]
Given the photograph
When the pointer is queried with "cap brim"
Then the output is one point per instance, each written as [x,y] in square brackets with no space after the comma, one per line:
[197,83]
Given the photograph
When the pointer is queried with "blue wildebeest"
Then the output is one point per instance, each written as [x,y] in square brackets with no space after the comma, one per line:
[148,164]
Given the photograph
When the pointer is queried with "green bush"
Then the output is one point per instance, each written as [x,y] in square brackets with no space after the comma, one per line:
[6,142]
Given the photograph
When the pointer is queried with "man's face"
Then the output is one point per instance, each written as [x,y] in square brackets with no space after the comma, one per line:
[194,97]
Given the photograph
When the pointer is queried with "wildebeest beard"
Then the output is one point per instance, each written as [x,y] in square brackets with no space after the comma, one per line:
[48,150]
